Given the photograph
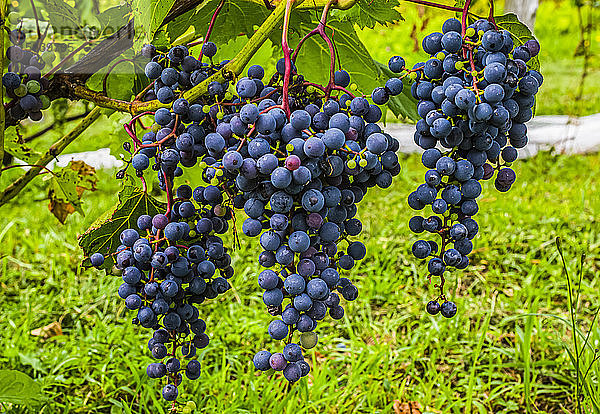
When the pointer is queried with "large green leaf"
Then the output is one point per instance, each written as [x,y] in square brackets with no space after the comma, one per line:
[236,17]
[14,145]
[519,32]
[149,14]
[367,13]
[103,235]
[18,388]
[62,16]
[404,104]
[113,18]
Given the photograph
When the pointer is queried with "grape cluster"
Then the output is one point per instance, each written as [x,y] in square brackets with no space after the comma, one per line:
[164,281]
[475,95]
[298,178]
[23,80]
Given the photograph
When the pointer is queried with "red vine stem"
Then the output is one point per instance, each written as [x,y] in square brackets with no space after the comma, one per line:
[210,26]
[439,6]
[465,12]
[287,57]
[37,21]
[491,15]
[169,191]
[28,165]
[140,95]
[320,30]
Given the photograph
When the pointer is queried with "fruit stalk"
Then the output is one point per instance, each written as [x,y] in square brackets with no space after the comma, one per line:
[210,27]
[287,57]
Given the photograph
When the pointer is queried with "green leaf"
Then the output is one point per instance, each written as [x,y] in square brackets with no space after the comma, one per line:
[519,32]
[236,17]
[403,105]
[18,388]
[149,14]
[113,18]
[367,13]
[62,16]
[14,145]
[103,235]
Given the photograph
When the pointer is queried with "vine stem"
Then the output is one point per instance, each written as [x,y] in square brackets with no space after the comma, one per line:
[465,12]
[320,30]
[169,191]
[2,108]
[13,189]
[287,57]
[37,21]
[436,5]
[491,15]
[28,165]
[210,27]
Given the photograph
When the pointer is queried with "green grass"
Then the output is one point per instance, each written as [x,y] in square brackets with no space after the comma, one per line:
[556,29]
[491,357]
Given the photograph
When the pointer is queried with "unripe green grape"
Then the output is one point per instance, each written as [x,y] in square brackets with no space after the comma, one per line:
[362,163]
[351,164]
[20,91]
[33,86]
[308,340]
[186,410]
[470,32]
[45,101]
[155,127]
[48,57]
[206,109]
[220,115]
[354,87]
[191,404]
[14,18]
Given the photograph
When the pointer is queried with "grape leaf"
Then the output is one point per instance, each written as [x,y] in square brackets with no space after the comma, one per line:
[367,13]
[404,104]
[519,32]
[14,145]
[63,17]
[149,14]
[113,18]
[67,186]
[236,17]
[19,388]
[103,235]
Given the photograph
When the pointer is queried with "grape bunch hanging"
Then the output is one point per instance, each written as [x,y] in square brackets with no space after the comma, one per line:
[475,94]
[23,81]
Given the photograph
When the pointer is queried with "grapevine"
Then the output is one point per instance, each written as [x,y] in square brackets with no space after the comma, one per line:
[297,156]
